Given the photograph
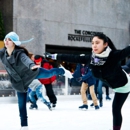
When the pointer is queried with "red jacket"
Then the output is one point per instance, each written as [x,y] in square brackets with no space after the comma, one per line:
[47,66]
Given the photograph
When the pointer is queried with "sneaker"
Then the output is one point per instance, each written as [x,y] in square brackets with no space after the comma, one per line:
[108,98]
[32,106]
[48,105]
[96,107]
[67,72]
[83,107]
[92,105]
[24,128]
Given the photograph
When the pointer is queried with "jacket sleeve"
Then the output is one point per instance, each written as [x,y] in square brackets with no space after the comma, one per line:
[87,75]
[26,60]
[74,58]
[122,54]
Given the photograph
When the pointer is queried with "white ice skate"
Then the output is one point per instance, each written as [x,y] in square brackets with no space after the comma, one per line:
[67,72]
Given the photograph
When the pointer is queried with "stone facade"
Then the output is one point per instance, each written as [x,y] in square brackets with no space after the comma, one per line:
[50,22]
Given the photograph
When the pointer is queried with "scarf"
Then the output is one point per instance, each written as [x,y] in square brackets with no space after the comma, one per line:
[100,59]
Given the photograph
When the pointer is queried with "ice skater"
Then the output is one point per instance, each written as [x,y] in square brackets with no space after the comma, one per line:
[22,71]
[104,62]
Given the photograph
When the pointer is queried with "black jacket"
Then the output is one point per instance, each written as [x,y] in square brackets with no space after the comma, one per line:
[18,67]
[111,72]
[126,67]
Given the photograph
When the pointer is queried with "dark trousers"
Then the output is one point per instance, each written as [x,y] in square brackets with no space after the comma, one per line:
[22,97]
[50,93]
[107,90]
[118,102]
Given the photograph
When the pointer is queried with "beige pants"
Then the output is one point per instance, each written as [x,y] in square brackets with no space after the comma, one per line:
[83,90]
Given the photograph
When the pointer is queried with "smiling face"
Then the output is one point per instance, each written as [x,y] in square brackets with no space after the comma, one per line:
[98,45]
[8,43]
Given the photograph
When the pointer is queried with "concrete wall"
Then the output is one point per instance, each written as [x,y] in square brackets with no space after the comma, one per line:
[6,6]
[50,21]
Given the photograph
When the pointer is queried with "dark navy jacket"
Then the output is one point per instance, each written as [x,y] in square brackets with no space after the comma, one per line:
[87,78]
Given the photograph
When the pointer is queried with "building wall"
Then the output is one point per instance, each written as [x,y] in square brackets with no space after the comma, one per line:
[50,21]
[6,7]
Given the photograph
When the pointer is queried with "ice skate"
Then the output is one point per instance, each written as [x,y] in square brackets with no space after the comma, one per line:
[67,72]
[48,105]
[83,107]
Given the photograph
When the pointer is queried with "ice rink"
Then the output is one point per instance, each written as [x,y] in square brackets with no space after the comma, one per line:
[66,116]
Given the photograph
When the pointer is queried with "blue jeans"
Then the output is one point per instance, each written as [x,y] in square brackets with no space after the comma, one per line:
[44,73]
[99,89]
[22,97]
[39,94]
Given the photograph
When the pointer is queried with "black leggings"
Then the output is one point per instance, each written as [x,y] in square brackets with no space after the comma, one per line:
[118,102]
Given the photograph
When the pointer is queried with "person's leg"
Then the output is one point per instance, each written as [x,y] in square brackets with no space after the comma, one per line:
[107,89]
[100,93]
[118,102]
[28,98]
[33,100]
[44,73]
[107,92]
[93,95]
[88,95]
[22,97]
[96,87]
[83,90]
[40,96]
[50,94]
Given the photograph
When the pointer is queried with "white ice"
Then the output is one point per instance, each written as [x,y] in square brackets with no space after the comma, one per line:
[66,116]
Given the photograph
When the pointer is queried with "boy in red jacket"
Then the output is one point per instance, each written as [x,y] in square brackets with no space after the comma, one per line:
[40,60]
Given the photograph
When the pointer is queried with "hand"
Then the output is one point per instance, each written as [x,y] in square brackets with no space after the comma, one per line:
[35,67]
[48,55]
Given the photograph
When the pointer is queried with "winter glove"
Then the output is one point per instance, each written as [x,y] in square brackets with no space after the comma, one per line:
[51,56]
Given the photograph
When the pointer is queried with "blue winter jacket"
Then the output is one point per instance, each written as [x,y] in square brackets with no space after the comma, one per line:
[87,78]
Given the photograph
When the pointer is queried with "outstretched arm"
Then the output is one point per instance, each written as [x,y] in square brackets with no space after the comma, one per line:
[70,58]
[28,62]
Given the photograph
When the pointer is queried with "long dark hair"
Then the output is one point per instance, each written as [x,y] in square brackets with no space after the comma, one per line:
[105,39]
[21,47]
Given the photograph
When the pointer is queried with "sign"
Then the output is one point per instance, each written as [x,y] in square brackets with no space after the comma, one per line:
[79,35]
